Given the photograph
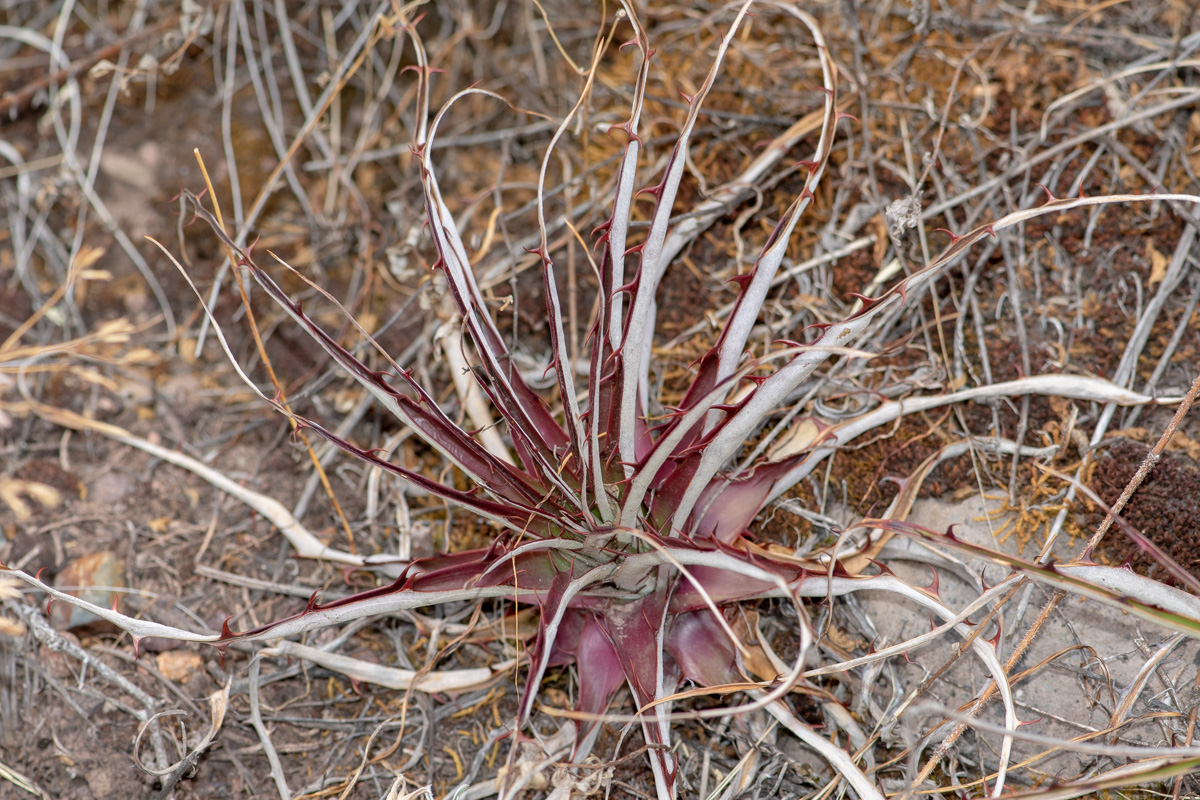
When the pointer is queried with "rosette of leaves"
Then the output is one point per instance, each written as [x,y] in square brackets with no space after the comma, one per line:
[626,534]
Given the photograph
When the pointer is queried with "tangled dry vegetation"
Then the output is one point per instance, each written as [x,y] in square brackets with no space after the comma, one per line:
[739,412]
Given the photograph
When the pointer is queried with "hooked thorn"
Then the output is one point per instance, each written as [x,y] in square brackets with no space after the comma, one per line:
[599,242]
[618,126]
[934,584]
[884,569]
[982,582]
[866,301]
[953,236]
[311,605]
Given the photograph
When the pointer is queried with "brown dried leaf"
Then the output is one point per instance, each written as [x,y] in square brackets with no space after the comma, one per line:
[14,491]
[1158,263]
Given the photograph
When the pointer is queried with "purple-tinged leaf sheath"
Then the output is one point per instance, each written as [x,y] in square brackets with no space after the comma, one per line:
[600,675]
[651,466]
[727,586]
[726,508]
[549,621]
[564,588]
[565,647]
[702,649]
[635,629]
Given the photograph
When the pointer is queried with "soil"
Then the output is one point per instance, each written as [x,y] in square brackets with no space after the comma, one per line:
[1165,508]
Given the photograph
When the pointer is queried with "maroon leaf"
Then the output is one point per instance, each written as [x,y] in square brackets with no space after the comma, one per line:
[702,649]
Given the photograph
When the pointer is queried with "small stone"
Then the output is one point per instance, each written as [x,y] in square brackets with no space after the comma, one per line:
[91,578]
[110,487]
[179,665]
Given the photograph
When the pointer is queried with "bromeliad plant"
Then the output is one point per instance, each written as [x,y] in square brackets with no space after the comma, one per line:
[631,533]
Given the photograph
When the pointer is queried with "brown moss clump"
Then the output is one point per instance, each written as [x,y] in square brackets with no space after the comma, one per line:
[1165,508]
